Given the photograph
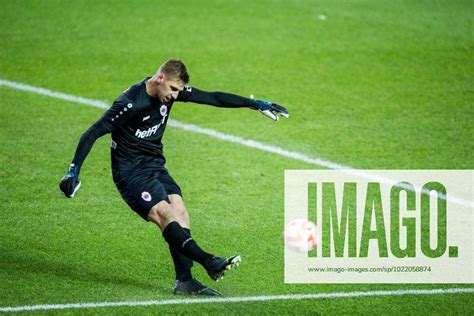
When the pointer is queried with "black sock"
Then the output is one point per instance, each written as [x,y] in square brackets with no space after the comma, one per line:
[180,240]
[182,264]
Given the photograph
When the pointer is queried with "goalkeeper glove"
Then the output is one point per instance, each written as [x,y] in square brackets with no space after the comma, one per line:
[270,109]
[70,183]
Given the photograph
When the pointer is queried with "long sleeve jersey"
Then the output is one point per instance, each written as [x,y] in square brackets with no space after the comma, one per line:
[137,122]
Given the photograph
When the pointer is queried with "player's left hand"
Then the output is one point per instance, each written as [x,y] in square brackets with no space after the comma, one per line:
[271,110]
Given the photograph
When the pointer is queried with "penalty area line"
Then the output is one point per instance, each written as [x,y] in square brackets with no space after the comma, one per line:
[233,139]
[237,299]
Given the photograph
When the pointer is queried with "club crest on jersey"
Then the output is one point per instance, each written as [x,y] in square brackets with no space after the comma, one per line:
[146,196]
[163,110]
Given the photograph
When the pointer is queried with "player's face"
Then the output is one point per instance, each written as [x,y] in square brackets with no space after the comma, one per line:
[169,88]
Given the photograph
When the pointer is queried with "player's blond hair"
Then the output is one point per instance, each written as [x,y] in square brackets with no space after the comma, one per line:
[176,69]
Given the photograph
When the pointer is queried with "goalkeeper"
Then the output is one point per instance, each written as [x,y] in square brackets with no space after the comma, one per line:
[137,120]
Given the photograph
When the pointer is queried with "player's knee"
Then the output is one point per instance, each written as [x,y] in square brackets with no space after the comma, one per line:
[177,205]
[160,213]
[180,211]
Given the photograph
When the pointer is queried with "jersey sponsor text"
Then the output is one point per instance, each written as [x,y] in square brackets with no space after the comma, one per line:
[151,131]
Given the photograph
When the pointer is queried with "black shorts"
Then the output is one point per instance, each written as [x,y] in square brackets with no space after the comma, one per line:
[144,188]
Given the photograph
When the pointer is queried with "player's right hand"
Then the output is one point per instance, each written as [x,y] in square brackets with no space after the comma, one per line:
[70,183]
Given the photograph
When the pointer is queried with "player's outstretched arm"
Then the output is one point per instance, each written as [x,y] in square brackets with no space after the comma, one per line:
[70,183]
[228,100]
[115,116]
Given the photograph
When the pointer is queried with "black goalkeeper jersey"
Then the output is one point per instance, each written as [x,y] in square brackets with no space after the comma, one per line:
[137,122]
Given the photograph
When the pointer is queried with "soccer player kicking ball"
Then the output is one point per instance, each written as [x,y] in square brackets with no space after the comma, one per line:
[137,120]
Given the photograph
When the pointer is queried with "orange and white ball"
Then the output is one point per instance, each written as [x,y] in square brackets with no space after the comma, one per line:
[301,235]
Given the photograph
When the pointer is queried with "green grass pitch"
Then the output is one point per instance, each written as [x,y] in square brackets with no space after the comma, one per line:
[375,85]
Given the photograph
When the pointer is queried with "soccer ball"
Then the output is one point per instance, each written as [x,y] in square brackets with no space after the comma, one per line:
[301,235]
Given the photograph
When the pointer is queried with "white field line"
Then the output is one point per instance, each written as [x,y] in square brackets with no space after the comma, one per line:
[237,299]
[231,138]
[53,94]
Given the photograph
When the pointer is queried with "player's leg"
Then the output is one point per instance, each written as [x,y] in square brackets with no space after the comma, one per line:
[182,264]
[216,266]
[172,219]
[163,215]
[185,283]
[182,248]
